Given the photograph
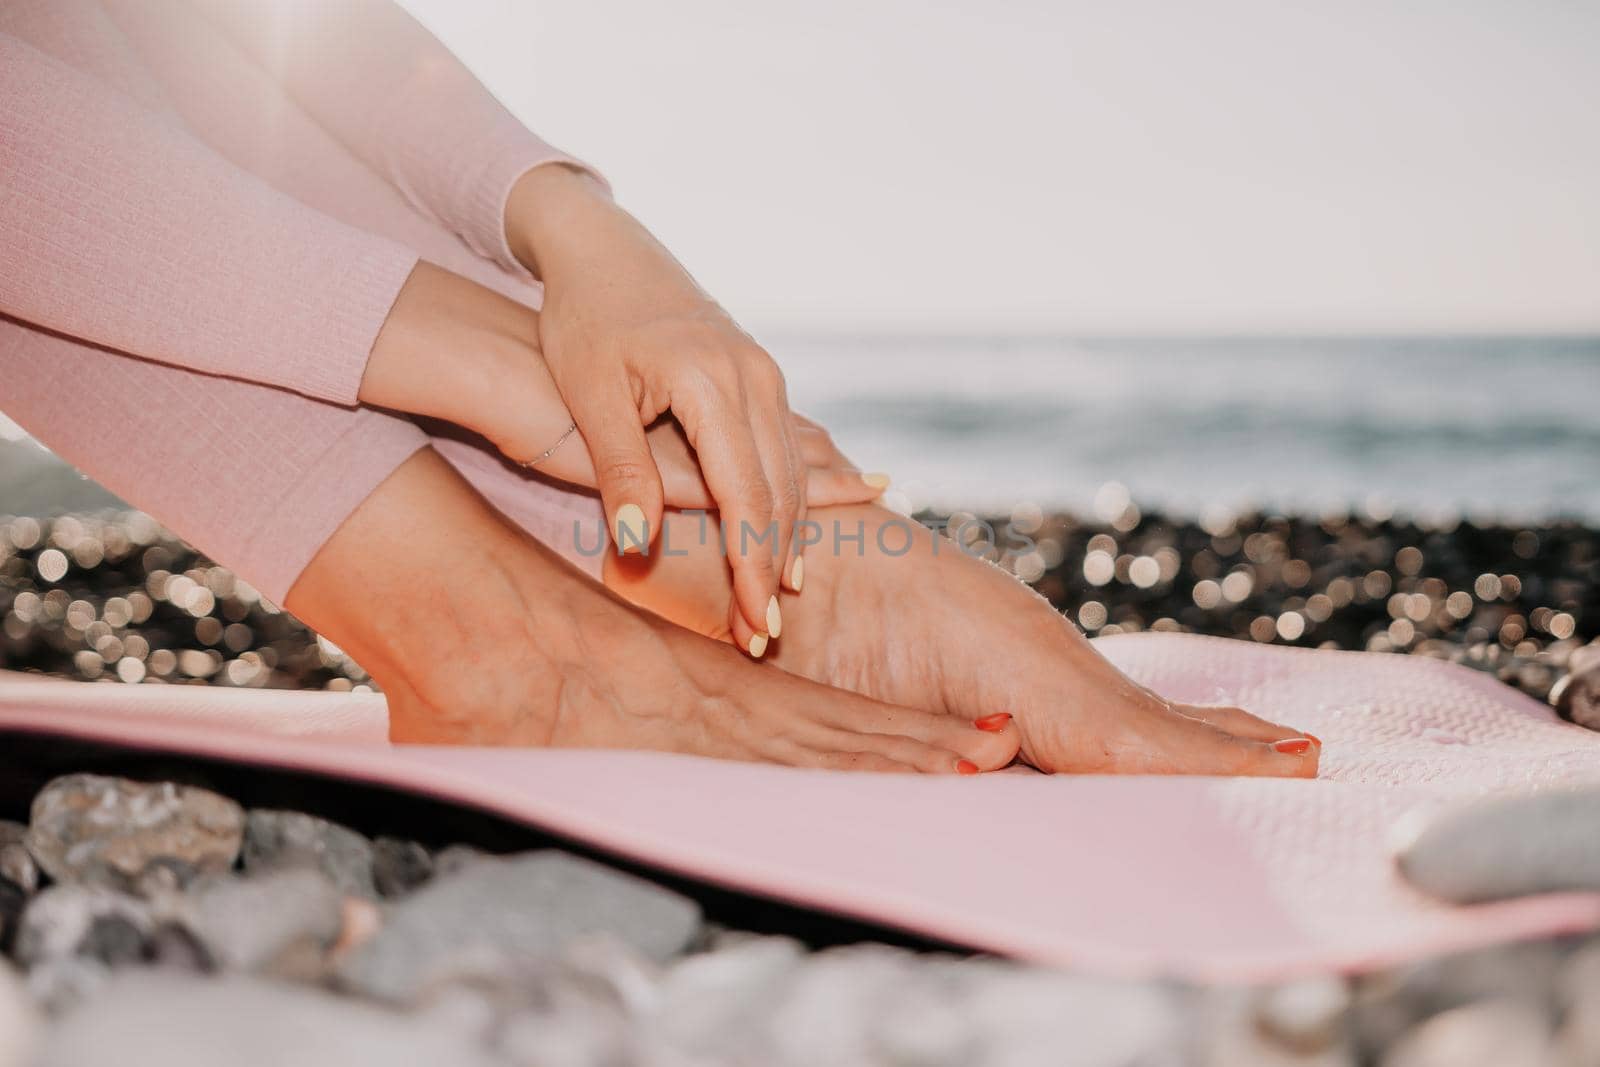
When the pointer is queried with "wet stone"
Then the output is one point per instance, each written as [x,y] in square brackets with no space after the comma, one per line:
[1487,1033]
[85,827]
[173,945]
[454,858]
[17,866]
[1305,1017]
[91,921]
[492,918]
[185,1021]
[19,1022]
[399,866]
[12,902]
[1505,847]
[275,840]
[252,923]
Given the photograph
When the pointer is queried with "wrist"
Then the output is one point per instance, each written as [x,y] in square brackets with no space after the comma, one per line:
[545,206]
[452,349]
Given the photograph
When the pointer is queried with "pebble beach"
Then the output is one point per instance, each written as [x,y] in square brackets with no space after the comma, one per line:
[288,924]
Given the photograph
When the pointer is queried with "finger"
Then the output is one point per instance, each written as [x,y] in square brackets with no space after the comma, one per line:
[794,572]
[753,641]
[767,403]
[836,760]
[840,747]
[732,468]
[829,486]
[1195,747]
[625,472]
[816,445]
[1240,723]
[991,745]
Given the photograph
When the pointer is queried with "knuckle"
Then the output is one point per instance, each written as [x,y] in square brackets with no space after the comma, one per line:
[789,499]
[623,467]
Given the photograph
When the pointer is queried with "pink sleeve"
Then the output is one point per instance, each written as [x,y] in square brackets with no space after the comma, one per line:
[257,478]
[121,229]
[399,99]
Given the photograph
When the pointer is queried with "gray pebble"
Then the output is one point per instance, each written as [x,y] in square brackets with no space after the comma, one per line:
[73,919]
[453,858]
[1389,1003]
[496,916]
[19,1022]
[1488,1033]
[17,865]
[399,866]
[154,1018]
[275,840]
[1504,847]
[1305,1017]
[1264,1028]
[248,923]
[1579,1005]
[174,946]
[85,827]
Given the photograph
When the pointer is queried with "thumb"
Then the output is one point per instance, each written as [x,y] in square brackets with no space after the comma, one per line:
[625,472]
[827,486]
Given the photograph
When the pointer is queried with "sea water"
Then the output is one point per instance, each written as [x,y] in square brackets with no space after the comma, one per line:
[1483,428]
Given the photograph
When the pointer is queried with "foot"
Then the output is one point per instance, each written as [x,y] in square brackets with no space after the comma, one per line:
[934,628]
[479,635]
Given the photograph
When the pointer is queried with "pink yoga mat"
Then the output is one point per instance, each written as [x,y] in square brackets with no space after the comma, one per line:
[1222,879]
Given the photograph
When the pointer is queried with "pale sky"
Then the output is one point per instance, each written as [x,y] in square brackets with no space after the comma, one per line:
[1068,165]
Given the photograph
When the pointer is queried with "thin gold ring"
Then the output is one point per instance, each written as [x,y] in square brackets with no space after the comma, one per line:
[547,453]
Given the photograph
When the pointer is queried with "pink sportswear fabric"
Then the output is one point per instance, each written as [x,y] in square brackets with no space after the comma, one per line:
[206,211]
[1232,879]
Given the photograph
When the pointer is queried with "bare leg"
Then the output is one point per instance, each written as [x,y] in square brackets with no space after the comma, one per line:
[930,627]
[478,634]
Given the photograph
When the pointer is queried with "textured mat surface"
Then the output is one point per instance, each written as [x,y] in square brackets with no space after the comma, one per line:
[1235,879]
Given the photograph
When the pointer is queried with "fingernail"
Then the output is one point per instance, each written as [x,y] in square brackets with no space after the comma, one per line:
[632,533]
[758,646]
[1315,738]
[797,573]
[993,723]
[774,618]
[877,480]
[966,766]
[1293,746]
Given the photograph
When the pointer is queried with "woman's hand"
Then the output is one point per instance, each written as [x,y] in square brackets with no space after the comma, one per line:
[454,350]
[629,336]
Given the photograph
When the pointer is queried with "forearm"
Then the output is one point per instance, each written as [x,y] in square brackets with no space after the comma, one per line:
[400,101]
[454,350]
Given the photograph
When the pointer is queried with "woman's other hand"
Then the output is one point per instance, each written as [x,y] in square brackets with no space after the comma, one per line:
[453,350]
[628,336]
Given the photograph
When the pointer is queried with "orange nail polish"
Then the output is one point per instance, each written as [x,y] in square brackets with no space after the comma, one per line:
[993,723]
[1315,738]
[966,766]
[1294,746]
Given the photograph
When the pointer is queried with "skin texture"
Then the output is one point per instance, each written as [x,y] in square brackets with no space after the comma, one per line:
[629,336]
[908,618]
[479,635]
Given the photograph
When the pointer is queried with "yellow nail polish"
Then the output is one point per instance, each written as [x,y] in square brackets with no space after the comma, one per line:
[632,532]
[877,480]
[758,646]
[774,618]
[797,573]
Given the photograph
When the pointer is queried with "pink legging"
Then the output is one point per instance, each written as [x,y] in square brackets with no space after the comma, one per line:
[257,477]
